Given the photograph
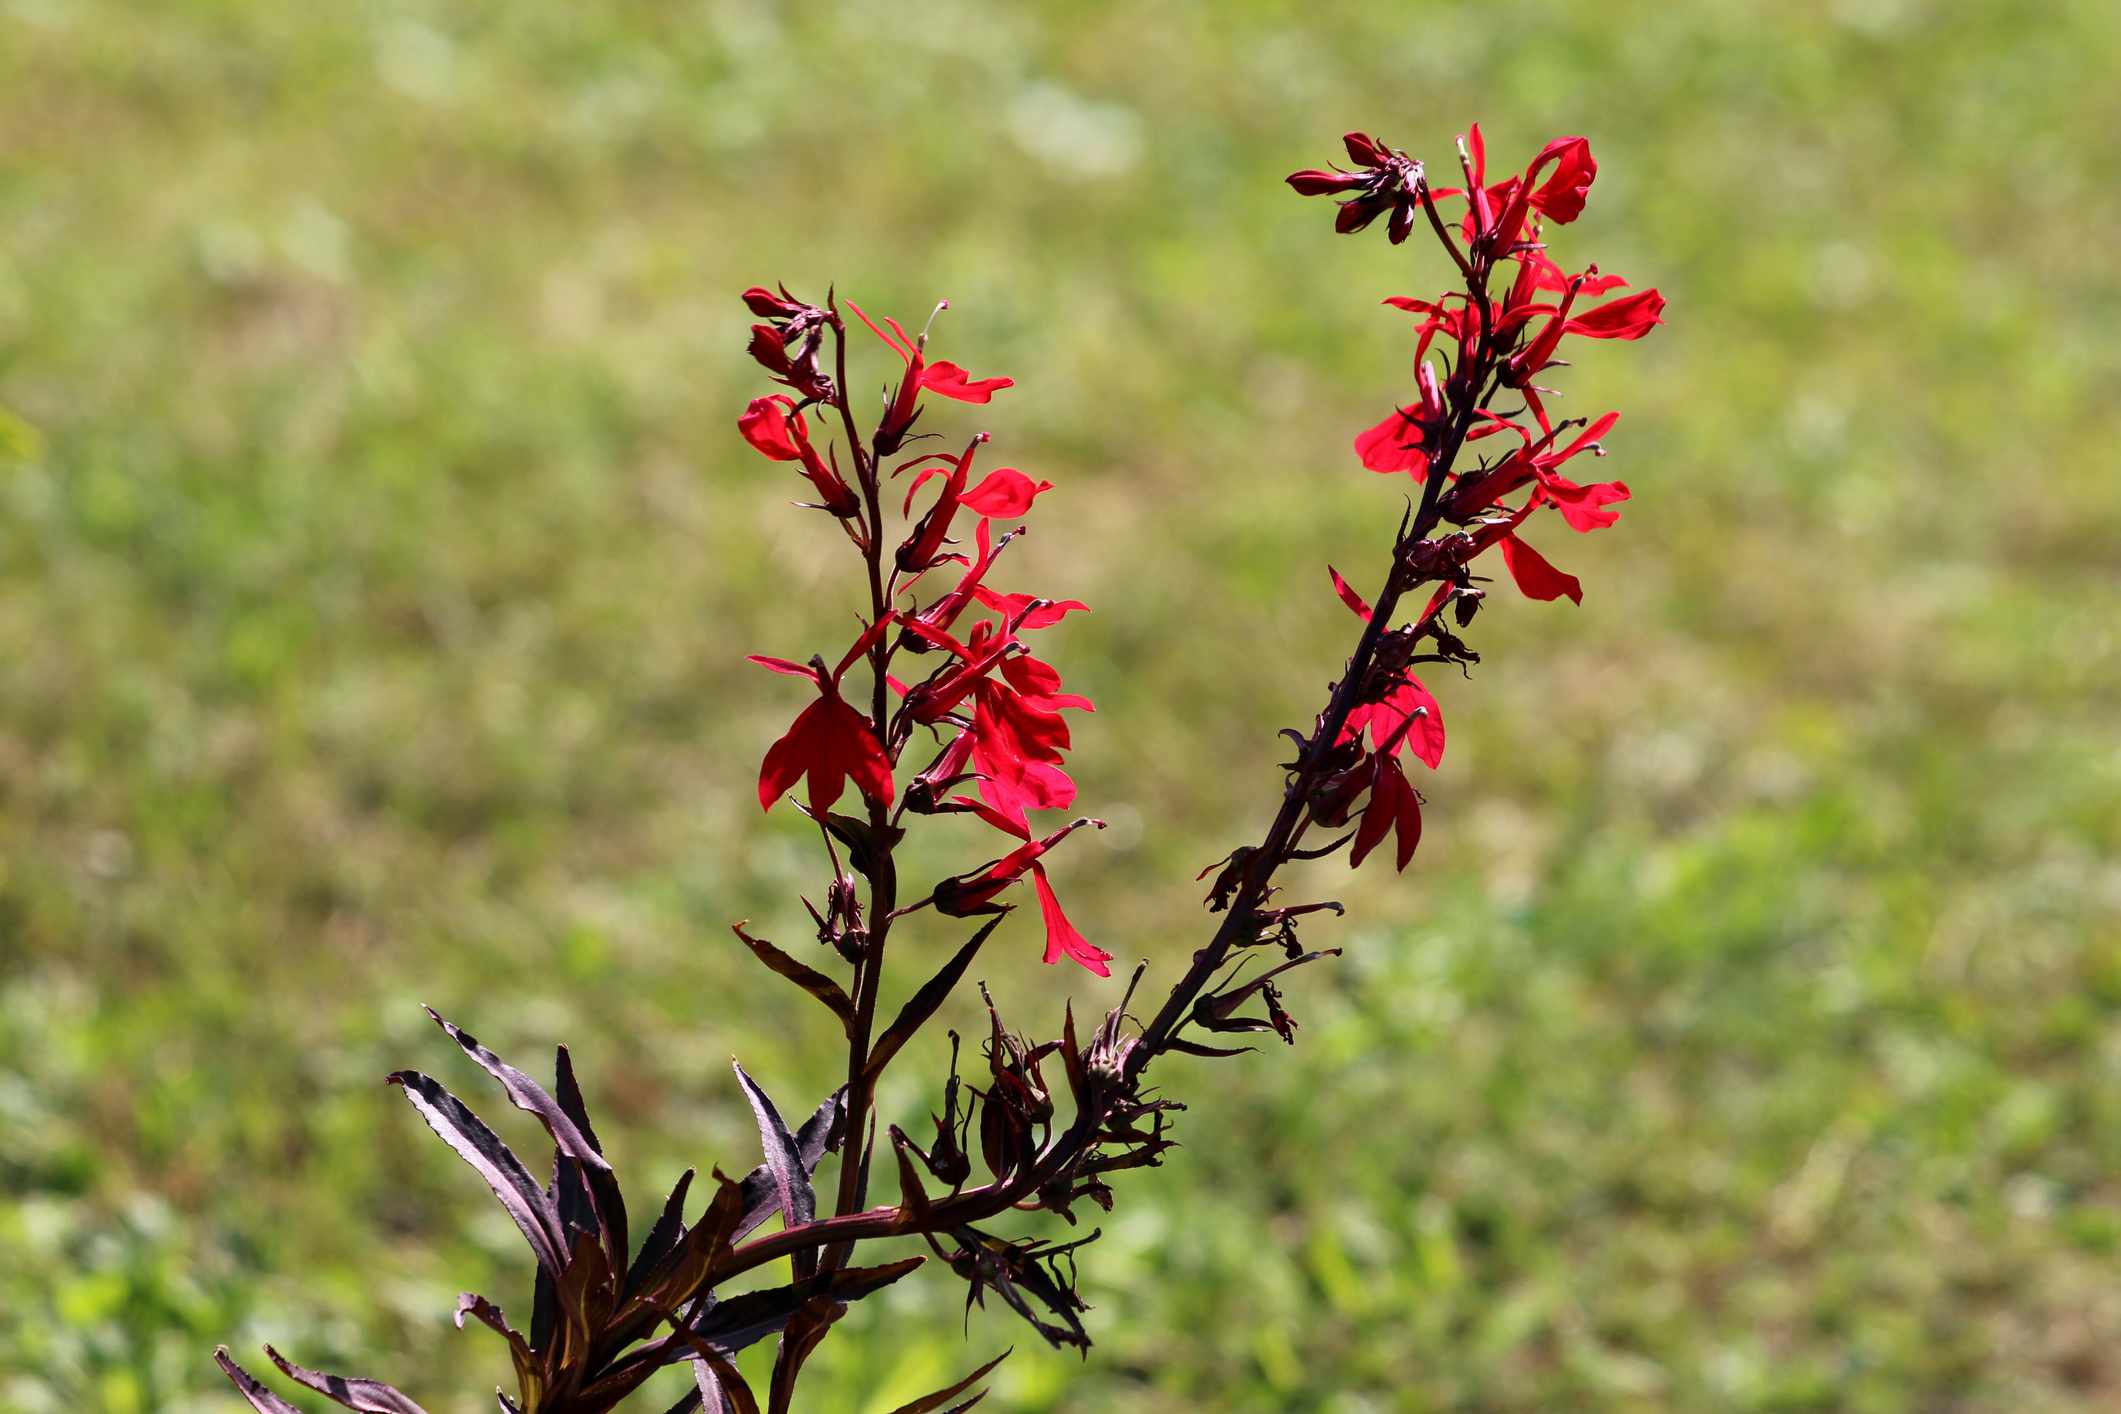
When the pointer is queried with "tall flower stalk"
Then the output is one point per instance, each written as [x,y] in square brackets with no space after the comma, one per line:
[941,705]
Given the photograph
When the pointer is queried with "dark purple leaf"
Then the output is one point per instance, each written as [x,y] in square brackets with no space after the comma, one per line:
[261,1399]
[819,1134]
[470,1303]
[730,1326]
[816,983]
[801,1336]
[480,1147]
[929,1403]
[662,1239]
[611,1204]
[367,1396]
[784,1161]
[923,1003]
[529,1096]
[1195,1048]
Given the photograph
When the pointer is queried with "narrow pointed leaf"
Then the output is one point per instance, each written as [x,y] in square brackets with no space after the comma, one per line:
[818,1136]
[611,1203]
[261,1399]
[718,1386]
[367,1396]
[783,1160]
[504,1173]
[529,1096]
[801,1336]
[928,1404]
[721,1385]
[662,1239]
[816,983]
[743,1320]
[470,1303]
[923,1003]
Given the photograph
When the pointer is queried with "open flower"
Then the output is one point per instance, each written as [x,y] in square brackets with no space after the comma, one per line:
[1394,808]
[775,427]
[830,742]
[975,892]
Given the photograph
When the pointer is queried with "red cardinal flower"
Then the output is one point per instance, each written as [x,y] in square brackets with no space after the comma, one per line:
[924,547]
[899,414]
[1387,182]
[1395,444]
[1407,715]
[1062,939]
[776,429]
[947,378]
[829,742]
[974,893]
[1535,577]
[1004,493]
[1395,807]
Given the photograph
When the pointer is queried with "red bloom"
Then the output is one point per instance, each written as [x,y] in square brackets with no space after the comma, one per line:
[1629,317]
[829,741]
[1395,444]
[1386,183]
[971,892]
[1395,806]
[769,424]
[1004,493]
[1016,608]
[924,547]
[1406,715]
[947,378]
[1062,939]
[776,429]
[1583,507]
[974,893]
[1562,195]
[1017,750]
[899,415]
[1535,576]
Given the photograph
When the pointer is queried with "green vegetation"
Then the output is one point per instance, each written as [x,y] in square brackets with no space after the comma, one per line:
[377,556]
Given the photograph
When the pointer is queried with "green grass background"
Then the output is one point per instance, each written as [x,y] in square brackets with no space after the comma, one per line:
[377,557]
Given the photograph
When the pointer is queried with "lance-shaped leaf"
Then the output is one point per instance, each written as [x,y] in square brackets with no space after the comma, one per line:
[913,1198]
[804,1330]
[819,1135]
[367,1396]
[261,1399]
[784,1161]
[678,1278]
[586,1294]
[470,1303]
[611,1204]
[663,1238]
[529,1096]
[816,983]
[929,1403]
[718,1386]
[730,1326]
[721,1386]
[504,1173]
[923,1003]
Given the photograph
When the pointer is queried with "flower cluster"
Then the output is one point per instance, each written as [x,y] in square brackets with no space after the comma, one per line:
[943,660]
[989,705]
[1488,340]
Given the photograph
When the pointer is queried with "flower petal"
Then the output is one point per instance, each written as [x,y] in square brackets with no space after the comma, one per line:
[947,378]
[1062,939]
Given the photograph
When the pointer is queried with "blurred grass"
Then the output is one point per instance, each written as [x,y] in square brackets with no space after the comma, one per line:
[377,560]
